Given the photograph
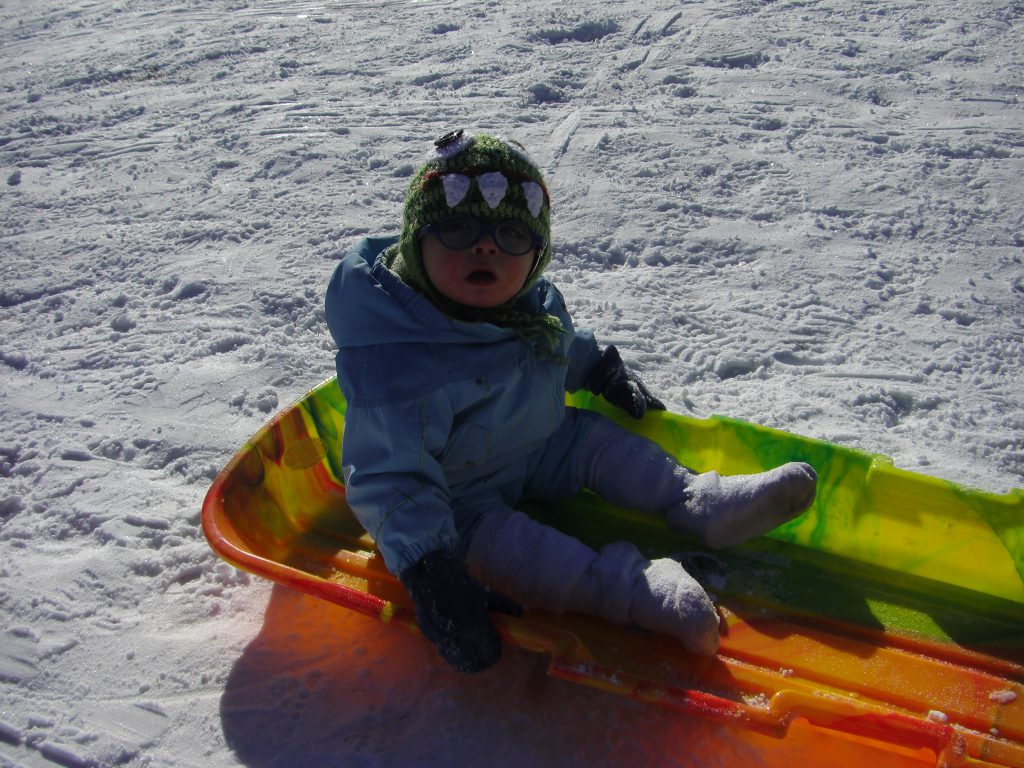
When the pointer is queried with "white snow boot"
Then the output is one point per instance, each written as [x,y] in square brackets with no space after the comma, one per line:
[726,511]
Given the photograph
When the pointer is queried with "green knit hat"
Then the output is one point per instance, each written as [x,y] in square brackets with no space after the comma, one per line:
[484,176]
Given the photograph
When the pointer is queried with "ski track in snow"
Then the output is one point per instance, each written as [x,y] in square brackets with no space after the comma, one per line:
[804,214]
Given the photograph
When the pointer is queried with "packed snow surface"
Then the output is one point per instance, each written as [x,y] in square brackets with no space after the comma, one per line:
[803,213]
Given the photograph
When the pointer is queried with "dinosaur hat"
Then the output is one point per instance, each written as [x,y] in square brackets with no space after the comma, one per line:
[487,177]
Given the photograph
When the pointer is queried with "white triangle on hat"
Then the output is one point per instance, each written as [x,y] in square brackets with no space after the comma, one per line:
[493,187]
[456,186]
[534,194]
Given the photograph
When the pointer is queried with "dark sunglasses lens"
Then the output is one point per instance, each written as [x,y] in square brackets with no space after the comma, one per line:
[459,232]
[513,238]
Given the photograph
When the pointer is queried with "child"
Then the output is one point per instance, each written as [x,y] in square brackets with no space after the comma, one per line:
[455,354]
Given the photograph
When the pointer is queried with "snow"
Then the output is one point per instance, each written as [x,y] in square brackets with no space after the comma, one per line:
[1003,697]
[806,214]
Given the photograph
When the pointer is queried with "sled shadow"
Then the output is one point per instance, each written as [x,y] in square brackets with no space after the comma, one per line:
[321,686]
[324,686]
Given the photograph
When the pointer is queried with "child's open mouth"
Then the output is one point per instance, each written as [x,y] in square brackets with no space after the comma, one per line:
[481,277]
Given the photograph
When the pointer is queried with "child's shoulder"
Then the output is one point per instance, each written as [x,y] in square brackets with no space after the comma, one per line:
[367,250]
[359,268]
[545,297]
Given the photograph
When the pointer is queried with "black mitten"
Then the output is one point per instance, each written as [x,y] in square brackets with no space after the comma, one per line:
[620,386]
[451,609]
[498,603]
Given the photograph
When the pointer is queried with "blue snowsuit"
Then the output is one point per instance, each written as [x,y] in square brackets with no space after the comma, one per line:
[447,420]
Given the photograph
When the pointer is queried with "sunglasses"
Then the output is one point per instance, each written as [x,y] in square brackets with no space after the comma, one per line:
[461,232]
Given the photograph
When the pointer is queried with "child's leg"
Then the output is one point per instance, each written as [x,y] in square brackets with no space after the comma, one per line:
[547,569]
[634,472]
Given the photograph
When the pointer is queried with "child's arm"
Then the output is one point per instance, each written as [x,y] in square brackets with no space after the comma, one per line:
[398,492]
[394,485]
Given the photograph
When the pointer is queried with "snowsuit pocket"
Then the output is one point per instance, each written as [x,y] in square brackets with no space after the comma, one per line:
[468,448]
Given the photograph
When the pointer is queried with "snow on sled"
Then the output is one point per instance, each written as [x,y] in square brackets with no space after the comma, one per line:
[890,616]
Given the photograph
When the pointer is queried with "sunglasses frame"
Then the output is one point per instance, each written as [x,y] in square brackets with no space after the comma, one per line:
[483,227]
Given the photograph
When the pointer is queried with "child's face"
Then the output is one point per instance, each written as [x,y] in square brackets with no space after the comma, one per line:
[480,276]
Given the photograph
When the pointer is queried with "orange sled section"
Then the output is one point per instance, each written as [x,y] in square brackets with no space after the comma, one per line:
[891,615]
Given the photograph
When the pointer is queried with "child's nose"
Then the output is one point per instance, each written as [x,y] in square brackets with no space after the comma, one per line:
[486,244]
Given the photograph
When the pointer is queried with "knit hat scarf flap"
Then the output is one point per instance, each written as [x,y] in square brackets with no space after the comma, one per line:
[494,180]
